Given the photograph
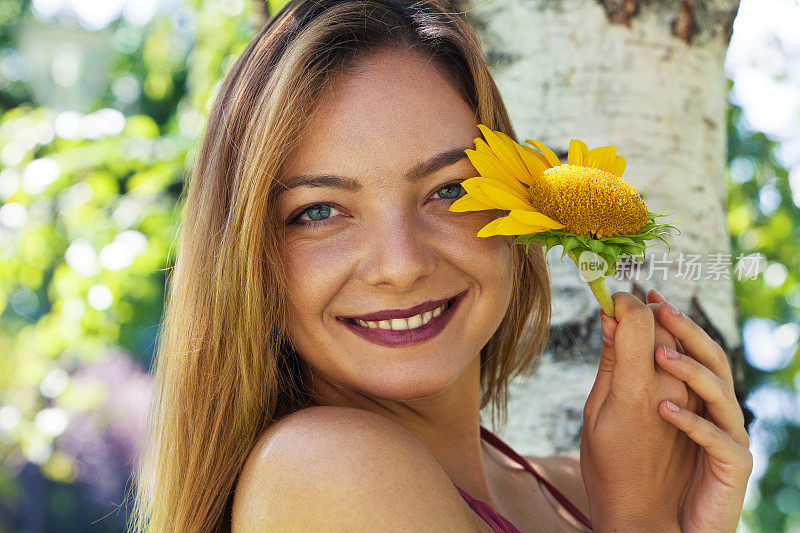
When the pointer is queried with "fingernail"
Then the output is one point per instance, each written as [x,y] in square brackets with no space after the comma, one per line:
[659,295]
[672,309]
[672,407]
[670,353]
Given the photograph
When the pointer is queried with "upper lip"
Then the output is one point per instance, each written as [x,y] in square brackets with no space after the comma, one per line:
[388,314]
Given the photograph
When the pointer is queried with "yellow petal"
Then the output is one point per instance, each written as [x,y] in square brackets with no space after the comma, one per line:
[577,152]
[534,161]
[468,203]
[535,218]
[508,226]
[503,147]
[619,166]
[481,146]
[488,166]
[473,188]
[549,155]
[491,228]
[603,157]
[495,194]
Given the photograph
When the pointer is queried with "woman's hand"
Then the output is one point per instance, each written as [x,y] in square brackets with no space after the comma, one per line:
[634,464]
[640,472]
[715,493]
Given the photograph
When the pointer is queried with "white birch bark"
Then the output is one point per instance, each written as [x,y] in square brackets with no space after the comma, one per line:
[649,79]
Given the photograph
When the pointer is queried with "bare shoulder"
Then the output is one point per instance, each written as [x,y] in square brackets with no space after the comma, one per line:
[564,471]
[350,468]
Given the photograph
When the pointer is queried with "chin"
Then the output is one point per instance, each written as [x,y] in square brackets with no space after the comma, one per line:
[404,383]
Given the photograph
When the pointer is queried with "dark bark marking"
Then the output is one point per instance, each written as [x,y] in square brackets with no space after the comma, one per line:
[575,341]
[684,25]
[620,11]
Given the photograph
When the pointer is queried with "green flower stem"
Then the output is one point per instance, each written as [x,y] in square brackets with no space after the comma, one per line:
[599,289]
[600,292]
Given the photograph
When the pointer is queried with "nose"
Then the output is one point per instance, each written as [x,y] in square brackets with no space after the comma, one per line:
[400,252]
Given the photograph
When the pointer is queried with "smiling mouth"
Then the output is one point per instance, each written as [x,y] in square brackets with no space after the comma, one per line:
[395,323]
[406,323]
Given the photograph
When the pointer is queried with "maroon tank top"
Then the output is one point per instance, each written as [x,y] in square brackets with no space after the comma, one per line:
[498,522]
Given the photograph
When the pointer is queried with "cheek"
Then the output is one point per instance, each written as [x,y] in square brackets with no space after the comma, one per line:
[314,272]
[495,272]
[487,259]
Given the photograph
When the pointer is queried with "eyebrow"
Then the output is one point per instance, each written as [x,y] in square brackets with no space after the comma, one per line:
[416,173]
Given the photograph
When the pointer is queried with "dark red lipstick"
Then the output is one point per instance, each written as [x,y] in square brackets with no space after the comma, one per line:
[408,337]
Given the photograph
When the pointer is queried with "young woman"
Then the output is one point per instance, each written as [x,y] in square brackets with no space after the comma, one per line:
[319,199]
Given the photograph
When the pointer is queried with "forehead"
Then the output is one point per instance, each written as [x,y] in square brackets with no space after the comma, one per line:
[396,109]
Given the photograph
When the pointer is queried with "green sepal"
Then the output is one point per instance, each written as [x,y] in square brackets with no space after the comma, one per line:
[609,248]
[596,246]
[618,240]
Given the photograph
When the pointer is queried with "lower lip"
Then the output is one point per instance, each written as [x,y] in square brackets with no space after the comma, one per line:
[407,337]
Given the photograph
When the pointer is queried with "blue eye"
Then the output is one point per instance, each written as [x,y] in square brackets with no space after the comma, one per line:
[320,214]
[454,188]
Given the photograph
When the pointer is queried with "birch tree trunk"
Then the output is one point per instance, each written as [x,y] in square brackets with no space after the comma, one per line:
[647,77]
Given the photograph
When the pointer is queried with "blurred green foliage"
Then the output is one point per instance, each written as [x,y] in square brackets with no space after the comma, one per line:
[88,223]
[769,226]
[88,219]
[764,218]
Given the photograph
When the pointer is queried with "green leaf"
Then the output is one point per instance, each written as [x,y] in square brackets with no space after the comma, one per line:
[596,246]
[633,250]
[613,249]
[618,240]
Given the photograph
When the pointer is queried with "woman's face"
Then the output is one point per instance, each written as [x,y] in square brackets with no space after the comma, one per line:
[379,235]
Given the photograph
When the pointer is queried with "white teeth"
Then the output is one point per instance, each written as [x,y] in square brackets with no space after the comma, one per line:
[399,323]
[404,323]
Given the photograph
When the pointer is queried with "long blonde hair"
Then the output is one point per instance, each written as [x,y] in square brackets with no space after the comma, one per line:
[224,370]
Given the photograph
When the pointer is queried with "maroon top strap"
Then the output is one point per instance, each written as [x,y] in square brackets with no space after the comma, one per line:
[495,441]
[498,522]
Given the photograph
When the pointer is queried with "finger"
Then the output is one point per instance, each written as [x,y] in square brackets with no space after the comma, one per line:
[602,383]
[607,327]
[664,337]
[604,316]
[662,334]
[720,401]
[653,296]
[716,442]
[695,402]
[605,369]
[633,343]
[695,341]
[653,299]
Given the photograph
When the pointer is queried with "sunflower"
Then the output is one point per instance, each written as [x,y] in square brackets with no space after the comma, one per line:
[583,205]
